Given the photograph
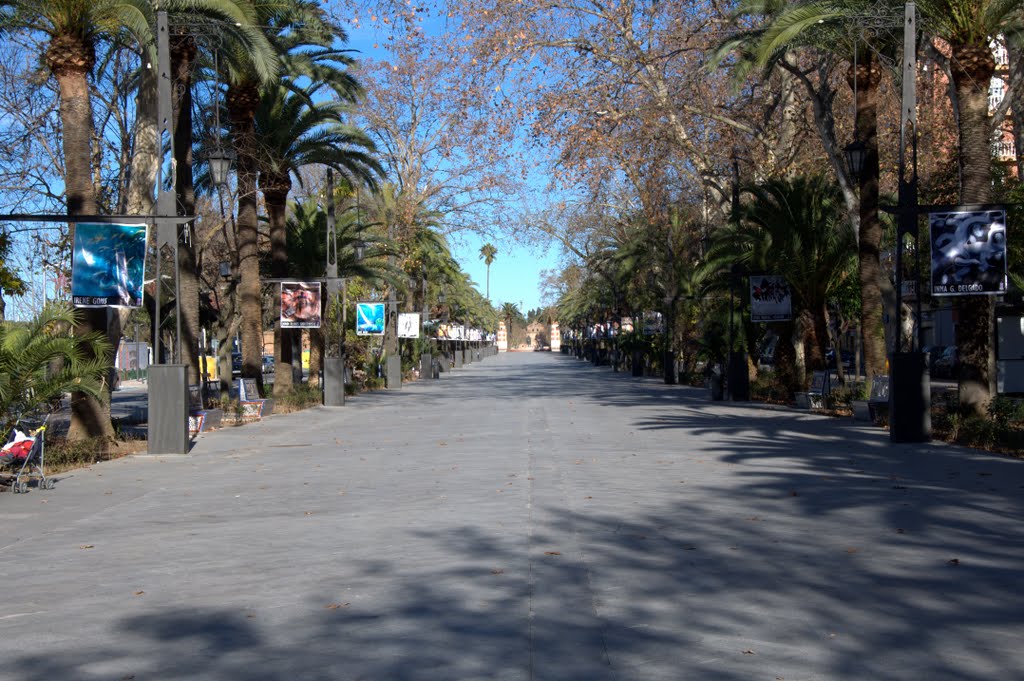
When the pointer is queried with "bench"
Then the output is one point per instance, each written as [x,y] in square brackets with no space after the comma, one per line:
[201,419]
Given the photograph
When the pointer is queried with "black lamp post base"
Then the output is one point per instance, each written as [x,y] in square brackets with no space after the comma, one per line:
[910,418]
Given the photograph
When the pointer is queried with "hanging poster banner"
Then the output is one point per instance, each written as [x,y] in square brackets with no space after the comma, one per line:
[771,299]
[654,323]
[408,324]
[968,252]
[108,265]
[300,305]
[370,319]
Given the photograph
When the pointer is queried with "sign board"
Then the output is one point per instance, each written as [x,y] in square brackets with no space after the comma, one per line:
[771,299]
[409,325]
[108,265]
[370,319]
[968,252]
[300,305]
[819,383]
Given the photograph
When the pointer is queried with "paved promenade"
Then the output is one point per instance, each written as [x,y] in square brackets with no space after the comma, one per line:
[531,517]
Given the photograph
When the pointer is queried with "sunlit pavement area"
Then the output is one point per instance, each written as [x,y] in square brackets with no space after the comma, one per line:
[527,517]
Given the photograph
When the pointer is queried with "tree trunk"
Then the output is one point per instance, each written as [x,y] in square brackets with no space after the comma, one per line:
[275,196]
[1016,94]
[973,66]
[183,53]
[316,354]
[242,103]
[869,241]
[90,418]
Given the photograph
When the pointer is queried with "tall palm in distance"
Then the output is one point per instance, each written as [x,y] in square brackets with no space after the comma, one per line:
[487,254]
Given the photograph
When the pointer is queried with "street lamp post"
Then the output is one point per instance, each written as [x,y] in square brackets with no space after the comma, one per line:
[909,386]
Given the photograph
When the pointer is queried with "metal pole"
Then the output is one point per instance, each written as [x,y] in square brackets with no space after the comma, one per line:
[909,388]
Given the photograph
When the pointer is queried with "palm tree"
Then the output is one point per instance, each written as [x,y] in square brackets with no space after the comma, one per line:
[509,312]
[793,227]
[289,26]
[72,29]
[968,27]
[295,131]
[830,27]
[487,253]
[28,353]
[233,21]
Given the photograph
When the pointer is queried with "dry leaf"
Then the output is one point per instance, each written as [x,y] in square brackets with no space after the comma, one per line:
[552,553]
[138,593]
[86,546]
[308,513]
[497,571]
[954,561]
[336,606]
[852,550]
[749,652]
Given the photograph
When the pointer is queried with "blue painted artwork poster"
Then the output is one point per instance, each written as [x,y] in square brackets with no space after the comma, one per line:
[108,265]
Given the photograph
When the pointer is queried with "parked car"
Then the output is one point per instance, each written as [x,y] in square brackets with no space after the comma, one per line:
[268,364]
[947,365]
[236,364]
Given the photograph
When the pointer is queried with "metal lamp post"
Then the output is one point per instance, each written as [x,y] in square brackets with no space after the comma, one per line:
[909,385]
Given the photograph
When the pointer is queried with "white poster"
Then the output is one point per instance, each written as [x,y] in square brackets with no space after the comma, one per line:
[771,299]
[408,324]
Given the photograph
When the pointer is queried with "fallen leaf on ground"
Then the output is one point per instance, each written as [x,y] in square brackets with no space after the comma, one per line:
[954,561]
[552,553]
[749,652]
[138,593]
[497,571]
[86,546]
[336,606]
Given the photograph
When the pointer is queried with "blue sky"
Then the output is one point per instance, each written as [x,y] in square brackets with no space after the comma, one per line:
[516,270]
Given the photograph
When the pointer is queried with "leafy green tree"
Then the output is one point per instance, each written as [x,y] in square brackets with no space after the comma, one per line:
[794,228]
[41,360]
[840,28]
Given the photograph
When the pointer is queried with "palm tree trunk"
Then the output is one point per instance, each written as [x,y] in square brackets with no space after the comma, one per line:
[869,241]
[973,66]
[90,418]
[275,196]
[183,52]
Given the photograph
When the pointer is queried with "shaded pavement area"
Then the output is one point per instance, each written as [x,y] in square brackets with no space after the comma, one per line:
[528,517]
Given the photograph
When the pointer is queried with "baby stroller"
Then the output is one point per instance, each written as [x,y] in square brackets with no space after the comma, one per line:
[21,458]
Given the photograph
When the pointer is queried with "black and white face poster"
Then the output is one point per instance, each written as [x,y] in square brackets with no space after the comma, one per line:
[968,252]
